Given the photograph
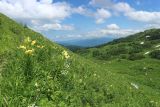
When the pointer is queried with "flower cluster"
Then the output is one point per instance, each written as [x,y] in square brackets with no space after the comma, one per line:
[65,54]
[29,52]
[29,45]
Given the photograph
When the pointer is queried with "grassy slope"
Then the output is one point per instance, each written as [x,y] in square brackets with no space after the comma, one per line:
[144,72]
[48,79]
[126,46]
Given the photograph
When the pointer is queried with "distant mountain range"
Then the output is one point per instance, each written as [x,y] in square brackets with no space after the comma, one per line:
[86,42]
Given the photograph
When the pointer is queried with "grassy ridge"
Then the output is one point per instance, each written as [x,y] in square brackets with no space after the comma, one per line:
[135,58]
[37,72]
[133,47]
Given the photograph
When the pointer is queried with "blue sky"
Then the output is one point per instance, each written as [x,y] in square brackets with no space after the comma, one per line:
[62,20]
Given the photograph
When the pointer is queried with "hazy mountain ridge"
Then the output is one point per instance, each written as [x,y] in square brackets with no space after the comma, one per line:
[86,42]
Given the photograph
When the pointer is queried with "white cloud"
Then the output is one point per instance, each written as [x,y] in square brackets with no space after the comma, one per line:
[144,16]
[122,7]
[115,31]
[150,26]
[152,17]
[113,26]
[101,15]
[111,31]
[137,15]
[80,10]
[32,9]
[37,14]
[118,32]
[54,26]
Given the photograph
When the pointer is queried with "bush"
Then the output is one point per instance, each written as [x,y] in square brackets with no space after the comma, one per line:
[105,56]
[117,51]
[135,48]
[155,35]
[155,54]
[101,55]
[96,53]
[123,56]
[82,51]
[136,57]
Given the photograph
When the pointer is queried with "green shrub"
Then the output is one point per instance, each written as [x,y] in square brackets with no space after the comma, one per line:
[96,53]
[81,51]
[117,51]
[136,56]
[123,56]
[155,54]
[105,56]
[135,48]
[155,36]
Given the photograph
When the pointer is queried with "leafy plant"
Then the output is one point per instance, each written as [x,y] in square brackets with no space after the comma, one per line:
[155,54]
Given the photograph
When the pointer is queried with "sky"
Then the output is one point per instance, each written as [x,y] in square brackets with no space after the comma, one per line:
[64,20]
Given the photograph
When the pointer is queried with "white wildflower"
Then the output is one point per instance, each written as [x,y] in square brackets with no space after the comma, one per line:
[142,43]
[151,101]
[49,77]
[148,36]
[36,84]
[95,74]
[146,73]
[146,53]
[66,65]
[64,72]
[135,85]
[157,46]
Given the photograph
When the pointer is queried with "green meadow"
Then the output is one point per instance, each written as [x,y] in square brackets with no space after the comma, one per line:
[36,72]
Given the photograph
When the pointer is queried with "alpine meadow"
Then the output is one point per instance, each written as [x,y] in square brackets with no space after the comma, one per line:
[118,68]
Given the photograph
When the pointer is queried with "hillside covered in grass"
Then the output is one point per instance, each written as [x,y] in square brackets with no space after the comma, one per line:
[136,57]
[35,72]
[138,46]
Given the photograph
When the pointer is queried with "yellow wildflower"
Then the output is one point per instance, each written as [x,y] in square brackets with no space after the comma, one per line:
[66,55]
[33,42]
[29,52]
[22,47]
[40,46]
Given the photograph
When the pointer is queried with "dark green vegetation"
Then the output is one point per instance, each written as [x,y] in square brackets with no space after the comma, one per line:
[73,48]
[37,72]
[134,47]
